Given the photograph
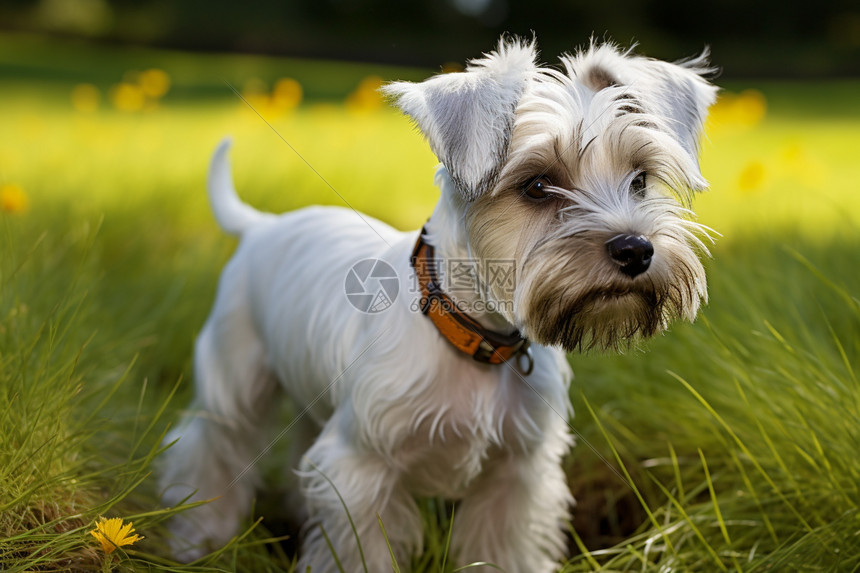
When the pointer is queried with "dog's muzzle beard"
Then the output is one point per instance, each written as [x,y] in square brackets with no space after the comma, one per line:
[587,302]
[603,318]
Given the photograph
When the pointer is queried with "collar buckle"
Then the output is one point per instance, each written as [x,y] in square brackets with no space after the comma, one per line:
[484,352]
[525,361]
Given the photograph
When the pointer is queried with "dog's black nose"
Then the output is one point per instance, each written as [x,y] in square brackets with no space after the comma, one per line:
[632,252]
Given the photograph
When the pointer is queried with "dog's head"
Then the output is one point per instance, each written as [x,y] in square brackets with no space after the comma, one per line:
[583,176]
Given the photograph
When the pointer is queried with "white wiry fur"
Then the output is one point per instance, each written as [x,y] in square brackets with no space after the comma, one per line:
[392,409]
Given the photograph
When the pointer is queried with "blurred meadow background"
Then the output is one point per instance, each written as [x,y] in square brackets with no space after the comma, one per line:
[728,444]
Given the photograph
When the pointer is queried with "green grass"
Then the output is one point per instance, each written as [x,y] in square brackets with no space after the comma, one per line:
[727,444]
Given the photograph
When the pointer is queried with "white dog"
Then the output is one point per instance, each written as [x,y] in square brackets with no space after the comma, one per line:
[432,364]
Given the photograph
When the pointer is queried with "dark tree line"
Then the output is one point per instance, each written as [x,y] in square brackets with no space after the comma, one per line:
[761,37]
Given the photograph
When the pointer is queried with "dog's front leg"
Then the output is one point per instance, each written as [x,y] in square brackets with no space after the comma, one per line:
[514,515]
[338,475]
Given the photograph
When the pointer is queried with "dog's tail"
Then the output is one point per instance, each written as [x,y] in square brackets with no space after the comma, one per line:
[232,215]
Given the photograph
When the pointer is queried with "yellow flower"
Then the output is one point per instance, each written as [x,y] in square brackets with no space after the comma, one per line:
[85,98]
[111,533]
[287,94]
[734,112]
[128,97]
[13,199]
[154,83]
[366,96]
[254,98]
[752,177]
[750,107]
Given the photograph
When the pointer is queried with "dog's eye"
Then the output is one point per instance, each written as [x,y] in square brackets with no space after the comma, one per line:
[637,186]
[538,188]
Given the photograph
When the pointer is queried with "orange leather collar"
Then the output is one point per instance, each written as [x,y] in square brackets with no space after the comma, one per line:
[456,326]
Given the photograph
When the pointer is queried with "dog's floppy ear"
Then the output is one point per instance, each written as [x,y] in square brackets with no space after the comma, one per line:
[468,116]
[678,93]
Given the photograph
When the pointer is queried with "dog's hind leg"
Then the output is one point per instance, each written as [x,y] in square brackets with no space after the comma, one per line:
[217,446]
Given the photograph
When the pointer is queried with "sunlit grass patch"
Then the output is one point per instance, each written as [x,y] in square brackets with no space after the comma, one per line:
[754,468]
[789,173]
[53,477]
[13,199]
